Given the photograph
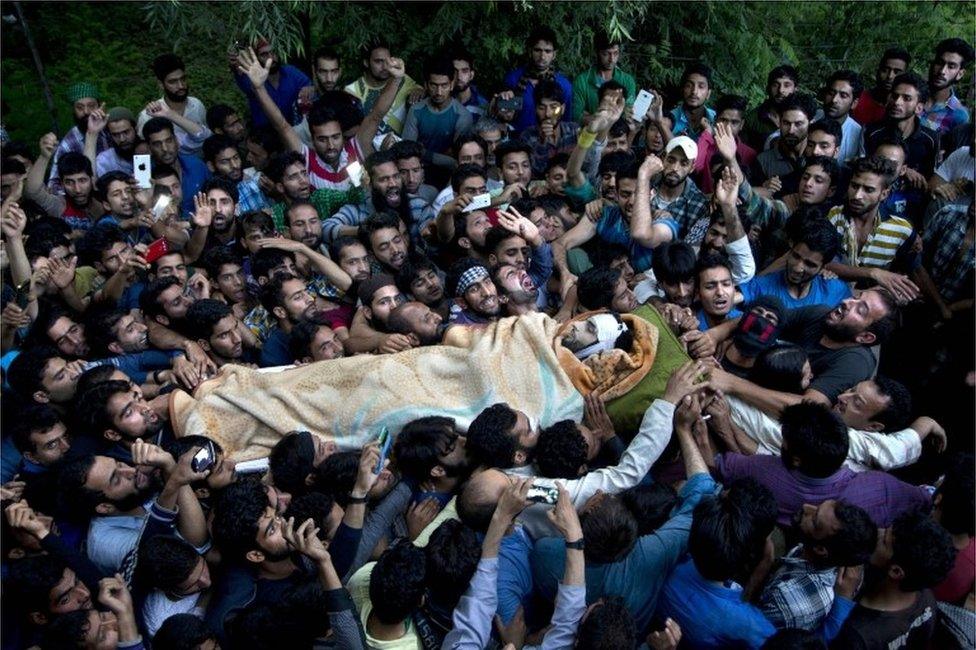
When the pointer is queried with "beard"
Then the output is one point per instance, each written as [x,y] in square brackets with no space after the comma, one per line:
[177,97]
[82,124]
[523,297]
[133,501]
[840,332]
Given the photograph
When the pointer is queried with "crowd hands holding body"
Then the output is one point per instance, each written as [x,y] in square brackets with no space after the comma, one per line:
[779,494]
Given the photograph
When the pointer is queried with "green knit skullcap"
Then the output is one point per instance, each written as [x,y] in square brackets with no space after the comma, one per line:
[82,89]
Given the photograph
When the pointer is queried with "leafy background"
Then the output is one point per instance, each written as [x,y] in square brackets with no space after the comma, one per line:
[114,43]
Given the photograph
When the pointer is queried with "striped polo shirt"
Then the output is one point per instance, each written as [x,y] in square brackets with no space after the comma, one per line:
[882,244]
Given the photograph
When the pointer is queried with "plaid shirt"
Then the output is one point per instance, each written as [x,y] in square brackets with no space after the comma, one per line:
[945,116]
[798,595]
[690,211]
[73,140]
[261,323]
[326,201]
[250,196]
[542,152]
[947,261]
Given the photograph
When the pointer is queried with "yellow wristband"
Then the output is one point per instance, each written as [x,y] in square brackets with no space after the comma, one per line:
[586,139]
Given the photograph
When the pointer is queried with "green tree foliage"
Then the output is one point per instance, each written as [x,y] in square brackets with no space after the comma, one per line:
[114,43]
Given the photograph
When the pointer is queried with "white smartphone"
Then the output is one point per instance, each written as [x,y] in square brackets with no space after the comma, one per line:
[355,171]
[160,206]
[252,466]
[142,170]
[479,202]
[642,104]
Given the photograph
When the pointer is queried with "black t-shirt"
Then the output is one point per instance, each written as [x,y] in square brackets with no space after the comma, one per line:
[834,371]
[908,628]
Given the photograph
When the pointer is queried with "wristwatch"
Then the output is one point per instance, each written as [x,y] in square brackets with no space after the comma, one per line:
[362,499]
[577,545]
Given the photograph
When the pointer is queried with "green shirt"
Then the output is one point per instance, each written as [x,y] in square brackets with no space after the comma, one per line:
[326,202]
[587,84]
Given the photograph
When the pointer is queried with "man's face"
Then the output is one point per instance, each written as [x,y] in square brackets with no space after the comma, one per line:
[298,301]
[523,432]
[817,523]
[58,381]
[865,192]
[123,136]
[227,163]
[854,316]
[695,91]
[172,184]
[230,283]
[542,54]
[476,228]
[439,89]
[385,300]
[780,89]
[427,287]
[653,138]
[424,322]
[305,226]
[472,186]
[802,265]
[174,303]
[225,340]
[69,595]
[114,257]
[902,103]
[327,73]
[131,335]
[624,300]
[860,405]
[608,186]
[412,173]
[325,345]
[328,141]
[607,59]
[354,260]
[463,75]
[732,118]
[175,87]
[513,279]
[294,183]
[814,187]
[820,143]
[677,166]
[50,446]
[680,293]
[482,297]
[793,127]
[389,247]
[626,196]
[78,188]
[131,415]
[69,337]
[492,139]
[514,251]
[223,206]
[839,99]
[516,168]
[164,147]
[102,630]
[946,70]
[716,236]
[895,154]
[7,183]
[715,290]
[196,582]
[171,265]
[549,110]
[119,198]
[888,70]
[257,156]
[377,63]
[234,128]
[82,108]
[616,143]
[386,181]
[544,223]
[471,153]
[118,481]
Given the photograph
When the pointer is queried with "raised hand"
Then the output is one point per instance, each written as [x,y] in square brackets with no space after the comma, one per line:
[145,453]
[666,639]
[564,516]
[21,516]
[396,67]
[651,167]
[63,271]
[727,189]
[13,222]
[202,215]
[595,416]
[684,381]
[513,221]
[248,64]
[725,141]
[158,108]
[97,120]
[48,144]
[306,540]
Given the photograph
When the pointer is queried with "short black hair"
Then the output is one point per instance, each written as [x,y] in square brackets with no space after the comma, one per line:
[799,102]
[815,437]
[411,269]
[898,413]
[378,158]
[257,220]
[26,372]
[610,530]
[271,292]
[490,441]
[595,286]
[165,561]
[215,144]
[339,244]
[439,66]
[548,89]
[72,163]
[885,326]
[830,166]
[100,332]
[157,125]
[453,552]
[923,549]
[615,162]
[674,262]
[236,513]
[464,139]
[856,540]
[226,186]
[149,298]
[291,461]
[915,81]
[699,68]
[820,236]
[731,103]
[316,506]
[609,626]
[165,64]
[416,448]
[397,583]
[75,501]
[92,407]
[336,475]
[301,336]
[609,86]
[182,632]
[35,418]
[217,115]
[785,71]
[955,46]
[405,149]
[464,172]
[541,33]
[203,315]
[374,223]
[780,368]
[267,259]
[561,450]
[106,179]
[711,260]
[851,77]
[369,287]
[651,505]
[957,492]
[325,52]
[830,127]
[875,165]
[96,241]
[32,578]
[896,52]
[67,630]
[509,147]
[281,161]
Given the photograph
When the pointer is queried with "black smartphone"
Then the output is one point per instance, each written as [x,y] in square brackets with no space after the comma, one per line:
[22,298]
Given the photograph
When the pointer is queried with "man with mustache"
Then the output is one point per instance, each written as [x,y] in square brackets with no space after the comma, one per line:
[84,98]
[795,115]
[120,124]
[871,104]
[840,97]
[122,341]
[908,95]
[781,83]
[287,298]
[188,114]
[943,111]
[475,295]
[283,84]
[118,413]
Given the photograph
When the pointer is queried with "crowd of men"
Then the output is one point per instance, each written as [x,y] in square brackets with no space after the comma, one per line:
[806,481]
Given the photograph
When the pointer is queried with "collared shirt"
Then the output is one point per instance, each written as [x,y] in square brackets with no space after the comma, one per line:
[476,104]
[73,140]
[922,144]
[689,211]
[757,125]
[942,117]
[586,90]
[798,594]
[889,239]
[613,229]
[194,175]
[850,141]
[290,82]
[517,81]
[773,162]
[326,202]
[683,126]
[948,259]
[190,143]
[250,196]
[543,150]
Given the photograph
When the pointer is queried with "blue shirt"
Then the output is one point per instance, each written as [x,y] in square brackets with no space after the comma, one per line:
[195,174]
[703,319]
[822,291]
[514,574]
[291,81]
[612,229]
[526,117]
[683,127]
[275,351]
[139,364]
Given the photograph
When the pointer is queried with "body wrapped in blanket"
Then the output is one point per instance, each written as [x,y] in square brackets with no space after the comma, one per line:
[516,360]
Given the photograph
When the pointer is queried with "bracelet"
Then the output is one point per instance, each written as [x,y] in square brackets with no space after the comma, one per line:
[576,546]
[586,139]
[362,499]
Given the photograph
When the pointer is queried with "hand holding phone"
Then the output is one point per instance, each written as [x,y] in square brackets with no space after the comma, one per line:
[386,443]
[355,172]
[642,104]
[142,170]
[479,202]
[156,250]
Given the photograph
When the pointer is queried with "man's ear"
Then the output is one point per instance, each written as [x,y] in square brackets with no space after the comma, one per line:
[280,313]
[29,455]
[583,469]
[819,550]
[255,556]
[37,618]
[211,167]
[492,259]
[464,242]
[367,312]
[41,397]
[437,471]
[310,479]
[111,435]
[105,509]
[115,348]
[895,572]
[280,188]
[865,338]
[205,344]
[885,193]
[162,319]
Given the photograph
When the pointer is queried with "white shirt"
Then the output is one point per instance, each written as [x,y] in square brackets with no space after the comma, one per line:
[959,164]
[850,144]
[190,143]
[158,607]
[740,259]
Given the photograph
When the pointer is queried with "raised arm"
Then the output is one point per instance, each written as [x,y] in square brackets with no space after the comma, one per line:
[600,124]
[371,123]
[582,232]
[642,227]
[322,264]
[249,65]
[97,121]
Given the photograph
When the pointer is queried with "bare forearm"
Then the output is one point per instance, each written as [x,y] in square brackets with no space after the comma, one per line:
[35,176]
[732,223]
[694,461]
[771,401]
[20,269]
[195,245]
[191,521]
[573,574]
[278,120]
[851,273]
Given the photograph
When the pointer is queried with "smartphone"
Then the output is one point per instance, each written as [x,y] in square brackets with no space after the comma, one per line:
[355,171]
[251,466]
[22,298]
[204,459]
[159,207]
[642,104]
[142,170]
[479,202]
[513,104]
[386,442]
[543,494]
[157,249]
